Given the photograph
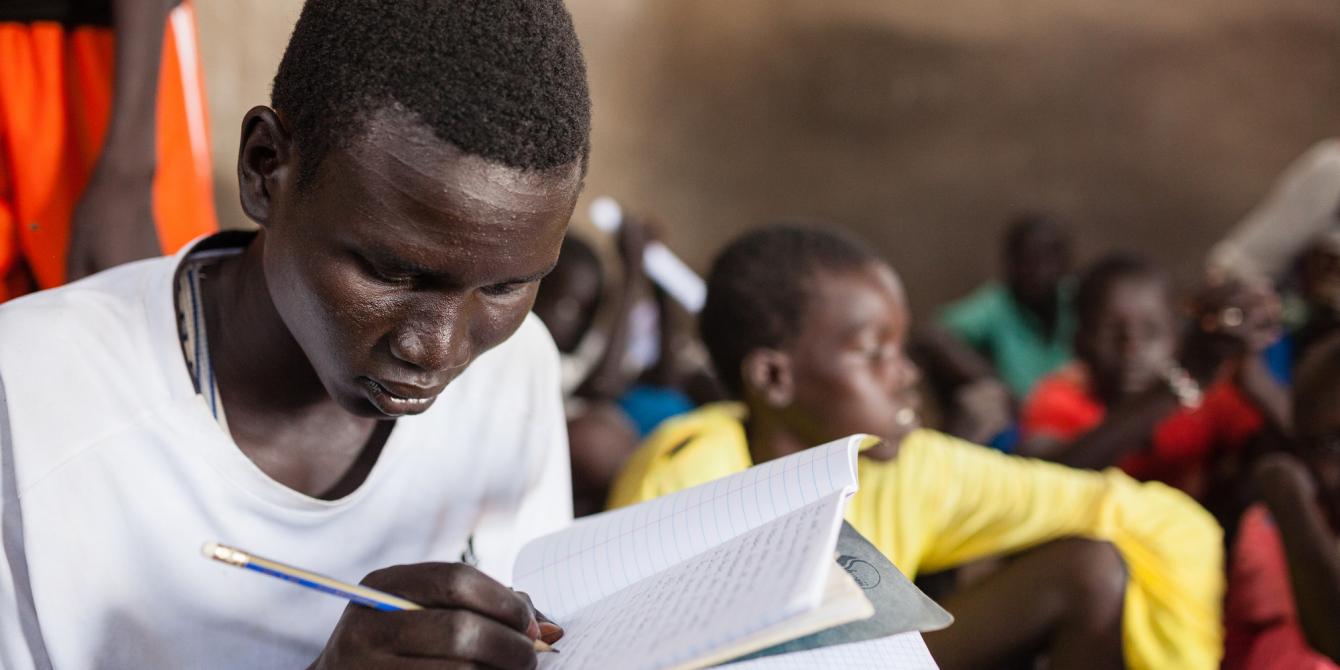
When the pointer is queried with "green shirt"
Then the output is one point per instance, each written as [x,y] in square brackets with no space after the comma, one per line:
[998,327]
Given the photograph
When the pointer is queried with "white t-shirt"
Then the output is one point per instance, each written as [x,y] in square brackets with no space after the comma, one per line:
[113,473]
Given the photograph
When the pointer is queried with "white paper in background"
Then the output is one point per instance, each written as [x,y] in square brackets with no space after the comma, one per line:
[673,275]
[906,651]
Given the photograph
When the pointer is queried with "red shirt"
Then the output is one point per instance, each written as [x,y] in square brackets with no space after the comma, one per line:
[1260,617]
[1177,452]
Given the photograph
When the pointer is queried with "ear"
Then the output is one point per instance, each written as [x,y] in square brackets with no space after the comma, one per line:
[767,375]
[265,163]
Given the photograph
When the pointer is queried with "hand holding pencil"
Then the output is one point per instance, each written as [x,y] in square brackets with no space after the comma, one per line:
[443,611]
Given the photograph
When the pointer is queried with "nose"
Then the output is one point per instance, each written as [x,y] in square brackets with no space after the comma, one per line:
[1129,341]
[435,338]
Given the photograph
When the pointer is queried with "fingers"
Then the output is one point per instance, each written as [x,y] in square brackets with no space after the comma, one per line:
[545,628]
[1248,315]
[414,663]
[454,586]
[455,634]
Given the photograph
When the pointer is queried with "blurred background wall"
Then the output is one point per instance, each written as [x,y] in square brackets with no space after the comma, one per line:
[920,124]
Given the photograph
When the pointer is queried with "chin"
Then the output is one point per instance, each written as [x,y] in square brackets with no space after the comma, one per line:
[1136,386]
[353,398]
[891,442]
[900,432]
[359,405]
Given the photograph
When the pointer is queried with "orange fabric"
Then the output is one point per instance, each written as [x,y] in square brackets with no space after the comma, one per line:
[1260,615]
[1061,407]
[55,103]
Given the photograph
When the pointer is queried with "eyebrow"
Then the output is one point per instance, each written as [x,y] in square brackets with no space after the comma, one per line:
[412,268]
[399,264]
[531,277]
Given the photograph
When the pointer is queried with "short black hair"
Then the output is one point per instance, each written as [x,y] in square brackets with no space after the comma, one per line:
[1099,278]
[577,253]
[1024,226]
[500,79]
[759,287]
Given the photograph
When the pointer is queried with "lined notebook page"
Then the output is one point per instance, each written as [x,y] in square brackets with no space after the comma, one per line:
[601,554]
[703,605]
[906,651]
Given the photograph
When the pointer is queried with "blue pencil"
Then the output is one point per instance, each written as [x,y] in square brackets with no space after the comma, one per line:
[352,592]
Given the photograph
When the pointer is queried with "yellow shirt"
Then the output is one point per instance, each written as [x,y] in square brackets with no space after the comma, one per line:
[943,502]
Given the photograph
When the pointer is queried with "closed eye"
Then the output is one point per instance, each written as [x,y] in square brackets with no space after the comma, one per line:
[387,272]
[504,289]
[383,275]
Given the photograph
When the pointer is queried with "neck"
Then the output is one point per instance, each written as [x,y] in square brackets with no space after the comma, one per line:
[769,438]
[260,366]
[1107,392]
[1046,311]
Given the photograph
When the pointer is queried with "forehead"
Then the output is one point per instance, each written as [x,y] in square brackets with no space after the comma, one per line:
[1037,240]
[841,302]
[398,178]
[1135,295]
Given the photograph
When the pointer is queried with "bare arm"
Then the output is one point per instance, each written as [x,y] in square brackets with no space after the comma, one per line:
[113,221]
[607,379]
[1125,429]
[979,406]
[1268,395]
[1310,547]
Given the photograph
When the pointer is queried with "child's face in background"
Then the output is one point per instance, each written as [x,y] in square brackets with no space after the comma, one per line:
[1129,340]
[850,370]
[567,302]
[1035,266]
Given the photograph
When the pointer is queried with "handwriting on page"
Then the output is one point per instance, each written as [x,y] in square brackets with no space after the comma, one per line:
[602,554]
[756,580]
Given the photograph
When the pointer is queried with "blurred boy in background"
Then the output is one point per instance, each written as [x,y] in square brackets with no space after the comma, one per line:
[1024,326]
[1162,405]
[621,381]
[807,329]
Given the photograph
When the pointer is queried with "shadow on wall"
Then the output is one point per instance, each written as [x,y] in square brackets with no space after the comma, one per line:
[919,124]
[922,131]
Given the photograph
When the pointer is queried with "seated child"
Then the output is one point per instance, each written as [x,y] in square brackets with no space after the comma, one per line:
[600,435]
[605,405]
[807,329]
[1025,326]
[1284,587]
[1134,397]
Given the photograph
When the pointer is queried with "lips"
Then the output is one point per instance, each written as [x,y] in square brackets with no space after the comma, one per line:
[394,399]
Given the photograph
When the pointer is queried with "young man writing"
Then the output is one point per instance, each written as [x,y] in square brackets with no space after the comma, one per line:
[355,387]
[1113,571]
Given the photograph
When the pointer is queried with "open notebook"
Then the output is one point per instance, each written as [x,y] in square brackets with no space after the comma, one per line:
[707,574]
